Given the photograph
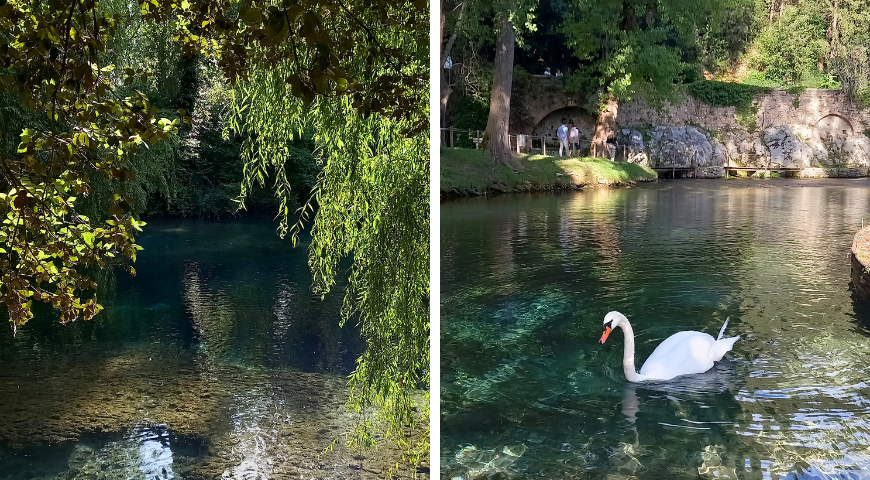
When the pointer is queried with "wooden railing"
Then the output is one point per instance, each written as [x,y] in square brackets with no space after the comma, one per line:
[521,143]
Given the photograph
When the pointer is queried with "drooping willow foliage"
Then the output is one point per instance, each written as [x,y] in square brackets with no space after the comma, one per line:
[371,204]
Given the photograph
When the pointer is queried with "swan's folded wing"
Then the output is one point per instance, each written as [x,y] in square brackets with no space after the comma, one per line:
[683,353]
[721,347]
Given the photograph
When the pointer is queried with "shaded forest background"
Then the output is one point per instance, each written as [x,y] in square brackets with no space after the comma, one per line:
[793,44]
[199,171]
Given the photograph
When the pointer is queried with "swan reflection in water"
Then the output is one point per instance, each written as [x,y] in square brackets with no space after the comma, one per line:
[626,457]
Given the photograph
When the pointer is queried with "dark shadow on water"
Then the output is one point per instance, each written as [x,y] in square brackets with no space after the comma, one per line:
[861,308]
[147,451]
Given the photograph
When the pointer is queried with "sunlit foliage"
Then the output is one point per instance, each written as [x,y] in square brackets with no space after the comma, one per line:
[371,205]
[50,60]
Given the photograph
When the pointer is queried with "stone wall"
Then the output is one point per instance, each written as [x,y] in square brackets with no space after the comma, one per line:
[815,130]
[776,107]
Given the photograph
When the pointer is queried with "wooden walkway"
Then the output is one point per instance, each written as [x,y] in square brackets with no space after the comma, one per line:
[683,172]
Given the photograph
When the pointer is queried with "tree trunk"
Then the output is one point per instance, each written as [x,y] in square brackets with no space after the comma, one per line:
[446,90]
[446,47]
[604,129]
[497,138]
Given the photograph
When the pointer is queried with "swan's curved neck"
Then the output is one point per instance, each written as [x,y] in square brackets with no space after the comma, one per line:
[628,353]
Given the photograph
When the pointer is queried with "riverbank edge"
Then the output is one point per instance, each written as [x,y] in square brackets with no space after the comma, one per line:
[469,173]
[860,258]
[715,172]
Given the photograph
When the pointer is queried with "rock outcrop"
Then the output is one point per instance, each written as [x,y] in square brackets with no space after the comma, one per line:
[680,147]
[778,147]
[634,150]
[813,129]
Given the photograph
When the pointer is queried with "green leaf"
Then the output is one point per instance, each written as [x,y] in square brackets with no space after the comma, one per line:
[252,15]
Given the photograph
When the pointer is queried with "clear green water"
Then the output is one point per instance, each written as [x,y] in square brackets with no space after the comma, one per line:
[527,391]
[215,361]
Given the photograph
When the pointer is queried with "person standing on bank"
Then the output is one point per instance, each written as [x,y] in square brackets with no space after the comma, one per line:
[562,134]
[574,140]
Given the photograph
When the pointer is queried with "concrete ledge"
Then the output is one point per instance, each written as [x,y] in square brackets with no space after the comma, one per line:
[834,172]
[860,274]
[711,172]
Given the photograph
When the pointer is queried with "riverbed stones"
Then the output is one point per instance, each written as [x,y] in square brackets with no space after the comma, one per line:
[241,420]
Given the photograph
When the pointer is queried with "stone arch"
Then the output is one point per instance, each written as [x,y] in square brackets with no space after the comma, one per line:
[836,116]
[547,124]
[542,97]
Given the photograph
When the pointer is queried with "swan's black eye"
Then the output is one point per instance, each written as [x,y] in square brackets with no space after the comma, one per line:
[608,324]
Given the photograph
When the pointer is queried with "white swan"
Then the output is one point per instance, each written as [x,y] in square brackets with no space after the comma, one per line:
[682,353]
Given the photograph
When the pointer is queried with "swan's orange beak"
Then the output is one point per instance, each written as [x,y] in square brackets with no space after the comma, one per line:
[604,335]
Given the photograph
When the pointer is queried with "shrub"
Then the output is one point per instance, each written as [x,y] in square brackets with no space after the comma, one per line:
[471,114]
[791,45]
[737,95]
[830,82]
[722,94]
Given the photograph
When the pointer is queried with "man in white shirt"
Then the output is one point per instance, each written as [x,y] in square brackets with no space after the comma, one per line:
[562,134]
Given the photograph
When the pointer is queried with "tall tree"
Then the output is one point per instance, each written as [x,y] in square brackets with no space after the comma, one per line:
[509,16]
[456,26]
[497,137]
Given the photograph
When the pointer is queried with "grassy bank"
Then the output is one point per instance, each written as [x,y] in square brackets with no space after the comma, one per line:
[469,172]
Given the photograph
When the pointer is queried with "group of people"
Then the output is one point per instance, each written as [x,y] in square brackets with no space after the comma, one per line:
[569,139]
[548,72]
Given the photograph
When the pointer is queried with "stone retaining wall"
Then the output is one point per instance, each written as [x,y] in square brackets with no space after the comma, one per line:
[860,275]
[776,107]
[821,132]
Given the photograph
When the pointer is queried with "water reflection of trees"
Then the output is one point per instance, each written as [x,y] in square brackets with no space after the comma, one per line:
[259,323]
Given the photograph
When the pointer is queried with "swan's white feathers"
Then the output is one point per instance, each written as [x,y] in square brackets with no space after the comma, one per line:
[683,353]
[721,347]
